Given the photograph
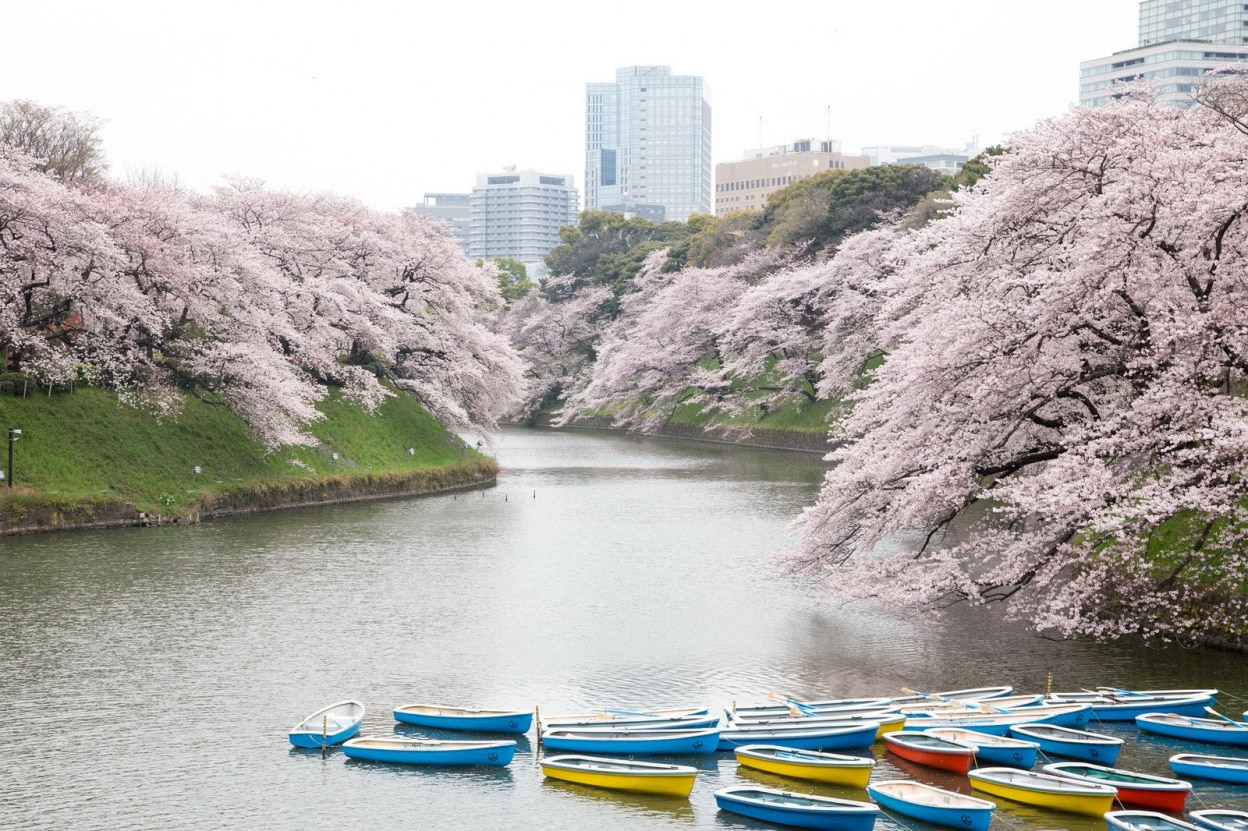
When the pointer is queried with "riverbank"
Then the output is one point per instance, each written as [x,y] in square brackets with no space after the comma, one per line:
[801,426]
[85,460]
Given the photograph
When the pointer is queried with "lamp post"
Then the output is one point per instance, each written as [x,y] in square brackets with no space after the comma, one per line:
[14,433]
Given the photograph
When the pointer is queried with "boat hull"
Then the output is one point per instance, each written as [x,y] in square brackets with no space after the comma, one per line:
[634,743]
[1103,750]
[934,752]
[1219,768]
[935,806]
[439,753]
[453,718]
[798,810]
[613,774]
[1191,729]
[797,764]
[858,737]
[1044,794]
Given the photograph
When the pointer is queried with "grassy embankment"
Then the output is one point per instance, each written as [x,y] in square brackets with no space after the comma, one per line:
[84,454]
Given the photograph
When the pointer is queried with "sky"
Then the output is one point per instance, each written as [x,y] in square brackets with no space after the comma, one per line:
[387,101]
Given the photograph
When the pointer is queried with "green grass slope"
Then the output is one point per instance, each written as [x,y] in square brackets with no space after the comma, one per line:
[86,446]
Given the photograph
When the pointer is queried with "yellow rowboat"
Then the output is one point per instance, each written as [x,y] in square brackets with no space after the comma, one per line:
[833,768]
[1045,790]
[622,774]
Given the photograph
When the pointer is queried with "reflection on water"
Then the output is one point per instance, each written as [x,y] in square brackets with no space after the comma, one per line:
[150,675]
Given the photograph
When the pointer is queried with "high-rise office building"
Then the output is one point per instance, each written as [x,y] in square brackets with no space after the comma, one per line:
[1180,40]
[518,214]
[648,144]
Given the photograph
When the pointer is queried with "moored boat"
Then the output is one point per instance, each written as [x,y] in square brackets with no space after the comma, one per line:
[685,722]
[1063,715]
[446,717]
[1045,790]
[825,737]
[931,804]
[411,751]
[842,705]
[613,715]
[972,694]
[1218,768]
[1145,821]
[329,725]
[888,721]
[1220,819]
[991,750]
[799,810]
[638,741]
[1075,744]
[833,768]
[1140,790]
[926,749]
[1213,731]
[1124,705]
[994,705]
[622,774]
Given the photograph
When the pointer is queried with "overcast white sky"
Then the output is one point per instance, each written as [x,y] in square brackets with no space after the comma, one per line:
[389,100]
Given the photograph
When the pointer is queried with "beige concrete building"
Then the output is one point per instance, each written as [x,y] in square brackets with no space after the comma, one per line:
[744,185]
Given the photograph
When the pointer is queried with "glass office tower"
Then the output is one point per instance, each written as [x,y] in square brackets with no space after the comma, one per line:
[1215,21]
[1180,40]
[648,144]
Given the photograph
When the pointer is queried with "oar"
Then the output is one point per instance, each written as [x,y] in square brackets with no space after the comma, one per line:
[631,713]
[909,691]
[797,706]
[1228,720]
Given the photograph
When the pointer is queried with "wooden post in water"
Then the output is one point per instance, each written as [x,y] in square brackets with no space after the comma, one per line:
[324,733]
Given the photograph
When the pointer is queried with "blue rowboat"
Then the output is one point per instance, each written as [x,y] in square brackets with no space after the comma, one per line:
[929,804]
[798,810]
[1219,768]
[637,741]
[329,725]
[827,737]
[465,718]
[1145,821]
[972,694]
[431,751]
[1074,744]
[821,707]
[1216,819]
[1213,731]
[992,750]
[686,722]
[1124,705]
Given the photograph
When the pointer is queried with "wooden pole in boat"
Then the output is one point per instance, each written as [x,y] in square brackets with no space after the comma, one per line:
[324,733]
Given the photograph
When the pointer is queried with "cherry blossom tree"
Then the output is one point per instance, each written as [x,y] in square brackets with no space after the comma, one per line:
[1066,361]
[663,349]
[557,341]
[258,298]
